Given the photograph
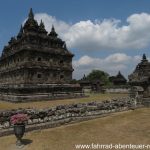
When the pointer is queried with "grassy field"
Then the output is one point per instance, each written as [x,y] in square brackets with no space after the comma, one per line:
[44,104]
[132,127]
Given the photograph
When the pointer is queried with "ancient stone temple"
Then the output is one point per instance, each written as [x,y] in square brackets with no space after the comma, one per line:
[140,81]
[36,65]
[91,85]
[119,79]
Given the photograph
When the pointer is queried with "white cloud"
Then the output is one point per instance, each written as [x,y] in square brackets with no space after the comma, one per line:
[111,64]
[118,58]
[106,34]
[61,26]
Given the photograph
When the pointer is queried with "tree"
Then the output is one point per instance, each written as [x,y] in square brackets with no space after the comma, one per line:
[99,75]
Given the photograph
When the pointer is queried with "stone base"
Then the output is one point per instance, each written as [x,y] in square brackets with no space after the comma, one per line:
[146,102]
[39,92]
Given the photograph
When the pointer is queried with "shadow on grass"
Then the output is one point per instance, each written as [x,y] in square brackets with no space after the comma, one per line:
[26,141]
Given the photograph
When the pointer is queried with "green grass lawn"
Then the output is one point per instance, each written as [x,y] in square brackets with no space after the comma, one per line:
[44,104]
[131,127]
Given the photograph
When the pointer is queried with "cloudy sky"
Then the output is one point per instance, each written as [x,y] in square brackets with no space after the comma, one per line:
[109,35]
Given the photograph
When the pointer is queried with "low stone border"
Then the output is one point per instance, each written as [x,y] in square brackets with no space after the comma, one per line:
[65,114]
[29,128]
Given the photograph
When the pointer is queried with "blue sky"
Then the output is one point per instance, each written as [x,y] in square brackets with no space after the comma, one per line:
[110,35]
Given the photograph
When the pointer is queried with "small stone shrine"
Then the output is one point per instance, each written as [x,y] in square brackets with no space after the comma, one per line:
[36,65]
[119,79]
[140,82]
[94,85]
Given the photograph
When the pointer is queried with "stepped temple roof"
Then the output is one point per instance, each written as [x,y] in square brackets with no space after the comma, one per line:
[119,79]
[141,74]
[32,35]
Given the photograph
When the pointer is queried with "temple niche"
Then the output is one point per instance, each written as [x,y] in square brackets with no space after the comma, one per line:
[36,65]
[140,81]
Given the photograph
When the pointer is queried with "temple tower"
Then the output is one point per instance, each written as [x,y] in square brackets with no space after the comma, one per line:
[34,63]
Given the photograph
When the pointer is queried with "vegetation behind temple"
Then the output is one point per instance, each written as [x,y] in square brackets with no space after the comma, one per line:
[104,78]
[99,75]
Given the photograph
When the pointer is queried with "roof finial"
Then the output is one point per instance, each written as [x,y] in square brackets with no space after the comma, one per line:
[53,27]
[144,57]
[20,32]
[84,77]
[65,47]
[42,28]
[31,15]
[42,24]
[53,33]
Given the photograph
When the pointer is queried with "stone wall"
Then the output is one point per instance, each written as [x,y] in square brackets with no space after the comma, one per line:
[64,114]
[117,90]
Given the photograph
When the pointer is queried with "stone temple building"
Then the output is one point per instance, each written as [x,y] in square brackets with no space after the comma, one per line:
[36,65]
[119,79]
[140,81]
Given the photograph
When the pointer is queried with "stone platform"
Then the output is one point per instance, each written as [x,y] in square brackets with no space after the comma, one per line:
[146,102]
[39,92]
